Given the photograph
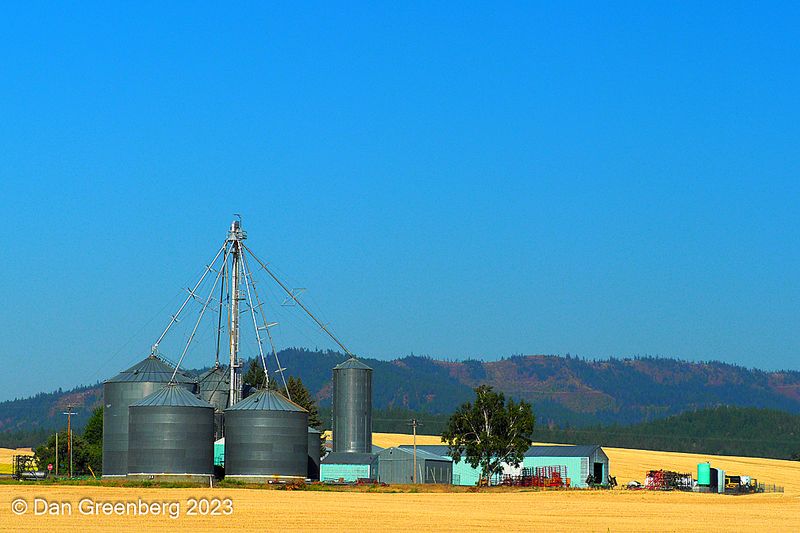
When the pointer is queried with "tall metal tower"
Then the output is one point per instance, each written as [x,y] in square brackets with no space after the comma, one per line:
[235,237]
[242,297]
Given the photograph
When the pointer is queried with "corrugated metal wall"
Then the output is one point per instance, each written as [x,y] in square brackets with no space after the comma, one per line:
[397,467]
[313,459]
[465,475]
[266,443]
[352,408]
[600,456]
[219,453]
[438,471]
[171,440]
[334,472]
[576,466]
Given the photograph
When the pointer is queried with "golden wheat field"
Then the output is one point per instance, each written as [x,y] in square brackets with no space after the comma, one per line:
[503,509]
[6,456]
[259,510]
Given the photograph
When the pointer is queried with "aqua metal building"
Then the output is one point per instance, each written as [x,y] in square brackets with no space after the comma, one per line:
[462,473]
[348,467]
[580,461]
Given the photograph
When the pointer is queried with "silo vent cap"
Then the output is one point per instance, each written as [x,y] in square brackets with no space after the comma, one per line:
[352,363]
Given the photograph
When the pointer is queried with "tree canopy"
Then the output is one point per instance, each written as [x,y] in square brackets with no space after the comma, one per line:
[87,449]
[490,431]
[255,375]
[302,397]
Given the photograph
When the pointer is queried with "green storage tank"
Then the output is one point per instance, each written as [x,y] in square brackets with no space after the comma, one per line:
[219,452]
[704,474]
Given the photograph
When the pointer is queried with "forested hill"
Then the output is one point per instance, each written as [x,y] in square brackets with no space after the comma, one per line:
[742,431]
[564,390]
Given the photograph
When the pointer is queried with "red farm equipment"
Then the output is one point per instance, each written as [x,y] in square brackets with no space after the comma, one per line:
[541,476]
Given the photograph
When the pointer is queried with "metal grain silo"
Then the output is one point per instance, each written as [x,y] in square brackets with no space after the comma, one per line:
[119,392]
[266,439]
[352,407]
[171,436]
[314,442]
[214,387]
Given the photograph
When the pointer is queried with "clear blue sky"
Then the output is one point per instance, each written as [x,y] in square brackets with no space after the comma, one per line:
[477,181]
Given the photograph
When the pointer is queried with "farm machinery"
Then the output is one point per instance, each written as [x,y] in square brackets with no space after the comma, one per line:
[541,476]
[668,480]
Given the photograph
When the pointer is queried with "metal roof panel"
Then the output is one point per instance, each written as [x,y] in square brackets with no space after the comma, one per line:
[151,368]
[266,400]
[352,363]
[172,396]
[583,450]
[347,458]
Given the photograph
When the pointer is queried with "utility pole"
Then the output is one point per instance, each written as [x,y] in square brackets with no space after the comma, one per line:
[69,414]
[56,453]
[414,424]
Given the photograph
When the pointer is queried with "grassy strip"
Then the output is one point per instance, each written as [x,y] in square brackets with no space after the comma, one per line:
[307,487]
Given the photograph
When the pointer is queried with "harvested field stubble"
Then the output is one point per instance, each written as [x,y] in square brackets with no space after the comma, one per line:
[365,511]
[442,508]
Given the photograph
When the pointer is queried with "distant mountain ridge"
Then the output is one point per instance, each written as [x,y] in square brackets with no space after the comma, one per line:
[564,390]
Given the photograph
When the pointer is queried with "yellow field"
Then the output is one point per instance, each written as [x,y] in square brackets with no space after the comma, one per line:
[503,509]
[6,456]
[258,510]
[387,440]
[632,464]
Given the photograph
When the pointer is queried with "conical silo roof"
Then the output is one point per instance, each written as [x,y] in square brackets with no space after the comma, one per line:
[352,363]
[172,396]
[212,379]
[153,369]
[266,400]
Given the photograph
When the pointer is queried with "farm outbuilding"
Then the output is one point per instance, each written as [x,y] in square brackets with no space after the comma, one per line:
[348,467]
[578,461]
[396,465]
[462,473]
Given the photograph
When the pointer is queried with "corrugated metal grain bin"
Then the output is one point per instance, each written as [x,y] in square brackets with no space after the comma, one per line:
[352,407]
[266,439]
[171,436]
[119,392]
[213,386]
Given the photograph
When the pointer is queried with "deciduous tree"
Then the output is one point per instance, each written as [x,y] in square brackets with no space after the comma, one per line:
[490,431]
